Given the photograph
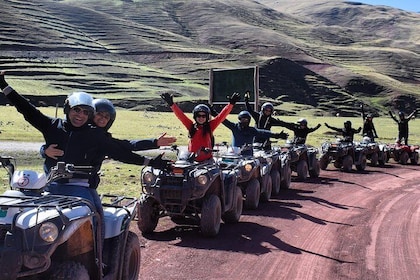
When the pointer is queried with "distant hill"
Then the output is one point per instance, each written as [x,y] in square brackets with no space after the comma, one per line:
[325,57]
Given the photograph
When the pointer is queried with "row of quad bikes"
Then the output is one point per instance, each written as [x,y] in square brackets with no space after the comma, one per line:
[44,236]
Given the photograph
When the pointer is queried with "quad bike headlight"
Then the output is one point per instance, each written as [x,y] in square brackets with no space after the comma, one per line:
[248,167]
[48,232]
[148,177]
[202,179]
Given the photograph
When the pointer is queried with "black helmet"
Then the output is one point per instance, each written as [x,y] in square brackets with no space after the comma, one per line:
[369,116]
[201,108]
[267,105]
[347,124]
[401,113]
[303,121]
[79,99]
[104,105]
[244,115]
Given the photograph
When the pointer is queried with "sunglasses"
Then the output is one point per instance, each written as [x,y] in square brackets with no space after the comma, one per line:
[201,116]
[79,110]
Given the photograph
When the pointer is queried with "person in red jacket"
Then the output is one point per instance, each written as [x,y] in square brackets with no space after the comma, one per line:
[200,130]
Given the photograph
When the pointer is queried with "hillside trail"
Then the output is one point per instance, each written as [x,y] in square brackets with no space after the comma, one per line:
[338,226]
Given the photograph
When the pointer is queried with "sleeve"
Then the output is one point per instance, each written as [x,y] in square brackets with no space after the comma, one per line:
[29,111]
[228,124]
[290,126]
[121,150]
[181,116]
[145,144]
[277,122]
[310,130]
[263,133]
[392,116]
[334,128]
[214,123]
[255,115]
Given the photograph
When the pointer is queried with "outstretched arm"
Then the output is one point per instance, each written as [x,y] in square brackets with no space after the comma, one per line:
[333,128]
[392,116]
[412,114]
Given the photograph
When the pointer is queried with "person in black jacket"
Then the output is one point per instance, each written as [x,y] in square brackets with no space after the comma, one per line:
[368,126]
[300,129]
[402,126]
[347,132]
[263,120]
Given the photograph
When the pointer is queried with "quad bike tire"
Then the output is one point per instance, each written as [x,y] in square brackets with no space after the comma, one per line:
[316,168]
[339,164]
[69,270]
[302,170]
[374,159]
[211,214]
[404,157]
[347,163]
[415,159]
[362,165]
[232,216]
[132,256]
[252,194]
[323,162]
[275,180]
[147,215]
[383,160]
[287,180]
[268,188]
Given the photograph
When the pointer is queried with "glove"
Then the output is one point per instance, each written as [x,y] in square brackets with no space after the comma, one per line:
[247,96]
[158,162]
[235,97]
[213,111]
[281,135]
[3,83]
[169,98]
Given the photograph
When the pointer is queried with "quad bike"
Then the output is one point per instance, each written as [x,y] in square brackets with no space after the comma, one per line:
[375,152]
[187,190]
[46,236]
[303,158]
[249,175]
[403,153]
[343,154]
[279,166]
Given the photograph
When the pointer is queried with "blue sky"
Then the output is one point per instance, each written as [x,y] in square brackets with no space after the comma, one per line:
[408,5]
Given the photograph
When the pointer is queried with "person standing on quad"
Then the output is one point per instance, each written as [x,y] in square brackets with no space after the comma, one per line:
[243,134]
[403,126]
[300,129]
[368,127]
[347,132]
[263,120]
[104,117]
[200,131]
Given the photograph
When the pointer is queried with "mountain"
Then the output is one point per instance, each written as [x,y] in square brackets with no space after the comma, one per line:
[326,57]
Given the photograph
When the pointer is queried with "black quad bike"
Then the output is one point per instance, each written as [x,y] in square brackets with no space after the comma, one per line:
[343,154]
[303,158]
[375,152]
[189,191]
[44,236]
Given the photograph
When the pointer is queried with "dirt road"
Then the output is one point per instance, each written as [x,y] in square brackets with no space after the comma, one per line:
[339,226]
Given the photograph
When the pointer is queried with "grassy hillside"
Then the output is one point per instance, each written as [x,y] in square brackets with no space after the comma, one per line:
[325,57]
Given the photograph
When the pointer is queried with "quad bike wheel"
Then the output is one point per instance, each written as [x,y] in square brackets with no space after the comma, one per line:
[266,195]
[211,214]
[323,162]
[374,159]
[275,180]
[148,216]
[362,165]
[232,216]
[302,170]
[252,194]
[69,270]
[285,183]
[131,263]
[415,159]
[316,168]
[383,159]
[347,163]
[404,158]
[338,164]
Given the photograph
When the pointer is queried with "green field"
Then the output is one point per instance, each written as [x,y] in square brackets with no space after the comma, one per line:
[124,178]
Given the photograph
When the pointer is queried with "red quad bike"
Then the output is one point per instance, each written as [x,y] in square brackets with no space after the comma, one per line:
[44,236]
[376,153]
[189,192]
[343,154]
[403,153]
[303,158]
